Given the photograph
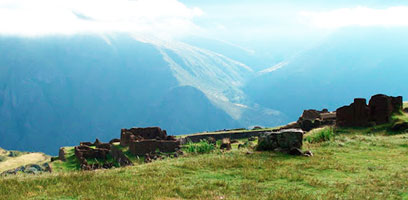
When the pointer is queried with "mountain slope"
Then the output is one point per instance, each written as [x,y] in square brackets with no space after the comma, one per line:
[355,62]
[59,90]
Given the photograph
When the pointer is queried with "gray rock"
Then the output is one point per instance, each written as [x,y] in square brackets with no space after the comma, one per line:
[284,139]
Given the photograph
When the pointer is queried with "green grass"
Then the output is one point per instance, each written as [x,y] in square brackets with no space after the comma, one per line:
[354,165]
[198,148]
[320,135]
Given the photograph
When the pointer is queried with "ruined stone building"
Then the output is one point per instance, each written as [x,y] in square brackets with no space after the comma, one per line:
[378,111]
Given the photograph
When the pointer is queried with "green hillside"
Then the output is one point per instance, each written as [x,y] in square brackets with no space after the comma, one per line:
[348,163]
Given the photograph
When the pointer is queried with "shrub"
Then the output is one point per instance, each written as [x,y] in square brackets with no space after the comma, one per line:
[2,158]
[201,147]
[321,135]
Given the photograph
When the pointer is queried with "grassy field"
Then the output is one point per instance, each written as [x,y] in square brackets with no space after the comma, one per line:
[348,163]
[355,164]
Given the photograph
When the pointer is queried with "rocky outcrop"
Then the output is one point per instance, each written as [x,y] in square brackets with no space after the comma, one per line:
[29,169]
[284,140]
[378,111]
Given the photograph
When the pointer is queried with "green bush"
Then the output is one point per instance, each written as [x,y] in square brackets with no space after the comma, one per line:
[2,158]
[200,148]
[321,135]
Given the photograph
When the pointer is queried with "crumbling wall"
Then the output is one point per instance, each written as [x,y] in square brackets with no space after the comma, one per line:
[120,157]
[127,135]
[378,111]
[142,147]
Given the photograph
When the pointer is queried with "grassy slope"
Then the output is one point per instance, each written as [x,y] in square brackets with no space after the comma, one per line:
[353,166]
[21,158]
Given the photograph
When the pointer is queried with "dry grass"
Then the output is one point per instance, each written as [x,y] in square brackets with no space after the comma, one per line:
[353,166]
[30,158]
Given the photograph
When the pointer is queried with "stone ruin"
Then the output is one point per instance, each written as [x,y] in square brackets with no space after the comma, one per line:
[142,141]
[311,119]
[286,141]
[100,151]
[378,111]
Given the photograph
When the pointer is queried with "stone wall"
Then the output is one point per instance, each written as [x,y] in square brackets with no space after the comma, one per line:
[146,146]
[220,136]
[120,157]
[378,111]
[127,135]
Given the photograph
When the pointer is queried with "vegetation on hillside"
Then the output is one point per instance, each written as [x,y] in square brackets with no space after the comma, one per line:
[354,165]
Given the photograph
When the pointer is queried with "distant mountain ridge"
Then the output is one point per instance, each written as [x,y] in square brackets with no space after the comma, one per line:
[58,90]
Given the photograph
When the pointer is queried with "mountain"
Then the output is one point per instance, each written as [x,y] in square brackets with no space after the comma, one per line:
[352,62]
[60,90]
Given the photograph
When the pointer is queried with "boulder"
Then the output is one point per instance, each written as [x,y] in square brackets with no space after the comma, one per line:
[284,139]
[400,126]
[226,144]
[211,140]
[405,110]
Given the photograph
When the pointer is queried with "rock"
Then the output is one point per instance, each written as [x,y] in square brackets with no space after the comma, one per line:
[226,144]
[399,126]
[211,140]
[97,142]
[252,138]
[257,128]
[295,151]
[284,139]
[405,110]
[307,125]
[61,154]
[85,144]
[308,153]
[115,140]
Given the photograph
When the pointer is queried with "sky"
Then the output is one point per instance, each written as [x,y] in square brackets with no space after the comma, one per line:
[274,29]
[238,18]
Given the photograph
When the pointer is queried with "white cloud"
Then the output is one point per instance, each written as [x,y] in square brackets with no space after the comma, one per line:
[39,17]
[358,16]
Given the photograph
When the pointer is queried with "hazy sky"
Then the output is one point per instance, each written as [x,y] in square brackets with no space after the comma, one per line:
[273,28]
[242,18]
